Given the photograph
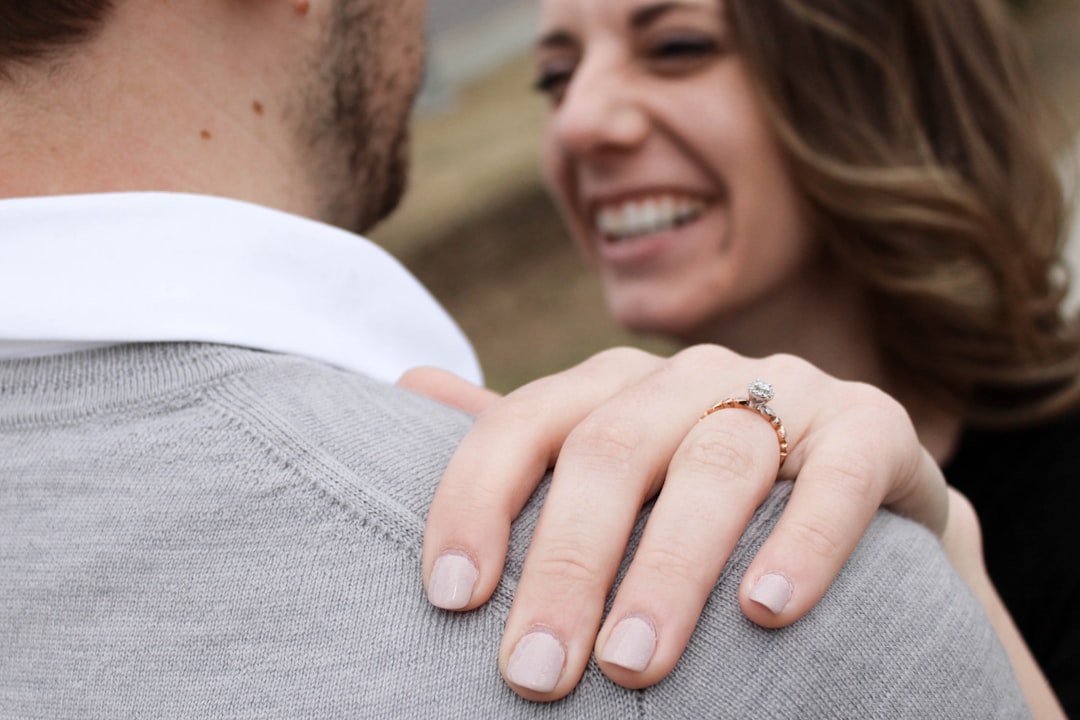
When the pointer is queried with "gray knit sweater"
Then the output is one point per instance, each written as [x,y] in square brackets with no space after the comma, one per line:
[201,531]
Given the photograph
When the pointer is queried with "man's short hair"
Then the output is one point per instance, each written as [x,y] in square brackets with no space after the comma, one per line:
[31,31]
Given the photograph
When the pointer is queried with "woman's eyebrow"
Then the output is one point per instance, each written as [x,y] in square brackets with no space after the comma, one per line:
[640,18]
[646,15]
[555,39]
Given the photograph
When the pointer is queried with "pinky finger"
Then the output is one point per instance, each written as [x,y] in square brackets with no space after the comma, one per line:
[827,514]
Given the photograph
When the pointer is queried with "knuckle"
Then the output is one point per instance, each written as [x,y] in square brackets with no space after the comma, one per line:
[878,404]
[886,434]
[851,481]
[525,406]
[850,471]
[787,365]
[565,563]
[611,446]
[719,454]
[476,500]
[617,357]
[672,566]
[513,424]
[866,395]
[793,374]
[525,412]
[818,536]
[696,357]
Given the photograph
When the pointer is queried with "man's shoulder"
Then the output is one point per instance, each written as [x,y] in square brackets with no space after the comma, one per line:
[326,422]
[897,635]
[318,437]
[199,421]
[228,526]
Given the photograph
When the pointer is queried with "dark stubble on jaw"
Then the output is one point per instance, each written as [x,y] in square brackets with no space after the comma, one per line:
[355,122]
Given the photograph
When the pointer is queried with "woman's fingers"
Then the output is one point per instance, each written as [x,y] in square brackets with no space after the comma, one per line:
[622,425]
[852,453]
[715,483]
[498,466]
[858,453]
[449,389]
[611,464]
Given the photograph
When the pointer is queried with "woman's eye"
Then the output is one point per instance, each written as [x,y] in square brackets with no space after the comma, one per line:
[552,82]
[677,49]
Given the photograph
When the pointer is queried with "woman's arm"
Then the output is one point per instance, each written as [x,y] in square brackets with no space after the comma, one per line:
[963,544]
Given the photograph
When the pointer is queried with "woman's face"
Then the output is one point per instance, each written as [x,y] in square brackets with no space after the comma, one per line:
[659,156]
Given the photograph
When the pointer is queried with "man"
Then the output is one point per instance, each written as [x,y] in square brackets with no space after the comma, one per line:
[211,501]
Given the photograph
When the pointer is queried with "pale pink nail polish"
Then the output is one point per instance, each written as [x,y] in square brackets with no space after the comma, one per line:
[773,591]
[631,644]
[537,661]
[452,580]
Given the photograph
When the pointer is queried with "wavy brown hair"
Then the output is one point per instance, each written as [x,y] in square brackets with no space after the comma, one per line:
[913,129]
[39,29]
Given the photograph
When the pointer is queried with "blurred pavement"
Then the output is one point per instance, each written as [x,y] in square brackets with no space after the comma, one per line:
[468,38]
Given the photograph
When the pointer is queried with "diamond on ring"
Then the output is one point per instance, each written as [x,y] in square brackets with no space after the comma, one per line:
[761,392]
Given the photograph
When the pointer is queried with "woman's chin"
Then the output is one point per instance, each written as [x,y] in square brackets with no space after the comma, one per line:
[673,326]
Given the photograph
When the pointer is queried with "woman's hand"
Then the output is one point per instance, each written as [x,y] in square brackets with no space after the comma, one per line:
[623,427]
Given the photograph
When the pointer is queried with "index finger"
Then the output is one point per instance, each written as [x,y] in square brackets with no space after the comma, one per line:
[498,466]
[447,388]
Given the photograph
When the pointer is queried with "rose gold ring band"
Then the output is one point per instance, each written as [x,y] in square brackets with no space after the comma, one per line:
[760,393]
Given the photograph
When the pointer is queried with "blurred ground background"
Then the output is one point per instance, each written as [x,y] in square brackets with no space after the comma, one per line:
[477,227]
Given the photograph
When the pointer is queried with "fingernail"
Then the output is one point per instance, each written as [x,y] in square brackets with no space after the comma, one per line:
[773,591]
[631,644]
[452,581]
[537,661]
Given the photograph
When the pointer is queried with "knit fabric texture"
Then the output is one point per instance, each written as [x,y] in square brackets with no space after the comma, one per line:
[203,531]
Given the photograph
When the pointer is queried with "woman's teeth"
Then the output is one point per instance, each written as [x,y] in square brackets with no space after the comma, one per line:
[641,217]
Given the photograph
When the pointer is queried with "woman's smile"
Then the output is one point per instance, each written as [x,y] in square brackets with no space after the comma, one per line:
[663,164]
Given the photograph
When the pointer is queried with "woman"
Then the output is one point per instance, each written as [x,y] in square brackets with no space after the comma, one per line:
[862,185]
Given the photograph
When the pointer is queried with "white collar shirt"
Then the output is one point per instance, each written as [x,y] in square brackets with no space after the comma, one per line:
[84,271]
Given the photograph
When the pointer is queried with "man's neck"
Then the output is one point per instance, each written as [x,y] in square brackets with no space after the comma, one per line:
[119,115]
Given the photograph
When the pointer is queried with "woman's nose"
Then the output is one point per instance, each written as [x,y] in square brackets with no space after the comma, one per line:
[600,111]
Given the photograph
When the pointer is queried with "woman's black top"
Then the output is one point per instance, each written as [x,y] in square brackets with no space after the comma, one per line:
[1025,485]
